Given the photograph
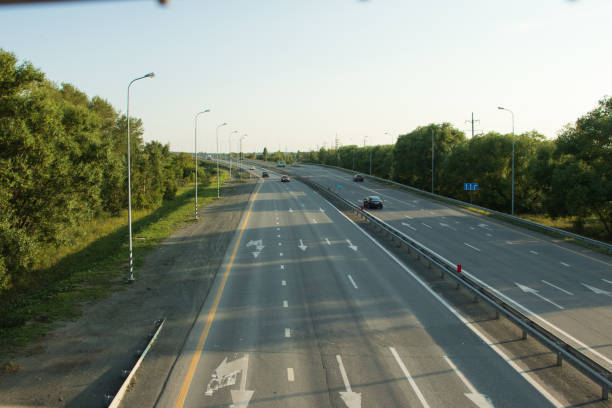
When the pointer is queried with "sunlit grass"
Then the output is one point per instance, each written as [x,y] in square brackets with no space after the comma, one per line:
[95,263]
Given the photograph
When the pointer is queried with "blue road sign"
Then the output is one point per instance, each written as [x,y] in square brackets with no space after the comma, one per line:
[339,186]
[470,186]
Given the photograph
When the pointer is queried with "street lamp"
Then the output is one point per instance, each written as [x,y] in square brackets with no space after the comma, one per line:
[129,169]
[195,150]
[229,142]
[218,174]
[240,155]
[512,113]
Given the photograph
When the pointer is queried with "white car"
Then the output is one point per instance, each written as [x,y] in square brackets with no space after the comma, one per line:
[251,168]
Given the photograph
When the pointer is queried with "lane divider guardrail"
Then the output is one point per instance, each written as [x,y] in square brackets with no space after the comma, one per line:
[587,366]
[460,203]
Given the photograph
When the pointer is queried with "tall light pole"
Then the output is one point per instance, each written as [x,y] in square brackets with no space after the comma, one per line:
[432,161]
[512,113]
[218,174]
[195,153]
[129,169]
[229,142]
[240,155]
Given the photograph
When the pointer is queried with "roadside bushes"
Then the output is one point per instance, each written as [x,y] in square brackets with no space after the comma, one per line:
[63,162]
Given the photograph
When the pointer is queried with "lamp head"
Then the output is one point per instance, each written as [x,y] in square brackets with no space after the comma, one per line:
[150,75]
[206,110]
[500,108]
[223,124]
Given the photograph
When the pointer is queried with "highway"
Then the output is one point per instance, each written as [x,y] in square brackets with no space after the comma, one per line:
[565,288]
[308,311]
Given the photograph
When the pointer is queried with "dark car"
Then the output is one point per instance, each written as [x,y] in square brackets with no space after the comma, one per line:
[372,202]
[357,177]
[285,179]
[265,174]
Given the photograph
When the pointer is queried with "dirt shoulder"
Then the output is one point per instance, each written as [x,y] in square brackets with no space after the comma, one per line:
[78,364]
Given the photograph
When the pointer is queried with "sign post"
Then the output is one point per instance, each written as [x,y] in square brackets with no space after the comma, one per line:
[470,187]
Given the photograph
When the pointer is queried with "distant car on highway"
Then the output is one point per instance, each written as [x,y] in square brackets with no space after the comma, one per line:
[285,179]
[373,202]
[357,177]
[251,168]
[265,174]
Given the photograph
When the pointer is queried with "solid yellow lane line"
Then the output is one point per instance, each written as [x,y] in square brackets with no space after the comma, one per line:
[211,315]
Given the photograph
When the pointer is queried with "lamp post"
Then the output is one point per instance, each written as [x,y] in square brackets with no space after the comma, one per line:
[512,113]
[129,169]
[240,155]
[229,142]
[195,151]
[218,174]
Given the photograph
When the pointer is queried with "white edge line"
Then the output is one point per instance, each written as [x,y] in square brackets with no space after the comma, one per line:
[352,281]
[503,355]
[409,377]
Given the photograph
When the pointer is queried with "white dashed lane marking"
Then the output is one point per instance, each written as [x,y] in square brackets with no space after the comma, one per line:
[471,246]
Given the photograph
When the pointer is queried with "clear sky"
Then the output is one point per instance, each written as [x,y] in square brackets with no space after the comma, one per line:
[294,73]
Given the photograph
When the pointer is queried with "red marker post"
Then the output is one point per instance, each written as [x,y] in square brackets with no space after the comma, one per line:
[459,269]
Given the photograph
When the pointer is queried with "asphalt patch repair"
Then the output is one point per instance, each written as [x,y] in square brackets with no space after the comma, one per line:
[82,363]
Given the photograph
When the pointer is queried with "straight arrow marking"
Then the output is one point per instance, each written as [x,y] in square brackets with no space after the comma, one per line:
[327,240]
[481,400]
[597,290]
[556,287]
[409,378]
[527,289]
[350,398]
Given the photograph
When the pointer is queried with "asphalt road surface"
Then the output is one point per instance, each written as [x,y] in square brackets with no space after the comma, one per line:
[308,311]
[565,288]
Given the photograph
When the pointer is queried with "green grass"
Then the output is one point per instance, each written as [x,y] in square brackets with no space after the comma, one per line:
[72,276]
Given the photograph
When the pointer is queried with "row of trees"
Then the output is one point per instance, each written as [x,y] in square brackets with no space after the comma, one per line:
[63,162]
[568,176]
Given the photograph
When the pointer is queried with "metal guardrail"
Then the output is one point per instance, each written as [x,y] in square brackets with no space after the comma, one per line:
[564,351]
[498,213]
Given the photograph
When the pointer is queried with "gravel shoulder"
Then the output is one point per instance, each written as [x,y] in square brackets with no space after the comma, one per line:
[79,363]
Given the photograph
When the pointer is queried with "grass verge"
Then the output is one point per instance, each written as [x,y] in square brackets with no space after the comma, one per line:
[73,276]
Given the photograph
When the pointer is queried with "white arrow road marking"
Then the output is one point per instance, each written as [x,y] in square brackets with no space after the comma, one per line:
[350,398]
[473,247]
[302,246]
[443,225]
[485,226]
[556,287]
[327,240]
[416,389]
[607,281]
[280,244]
[258,244]
[565,264]
[480,400]
[353,247]
[255,254]
[527,289]
[597,290]
[352,281]
[409,226]
[225,375]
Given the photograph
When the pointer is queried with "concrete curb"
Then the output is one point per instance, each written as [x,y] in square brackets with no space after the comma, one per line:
[119,396]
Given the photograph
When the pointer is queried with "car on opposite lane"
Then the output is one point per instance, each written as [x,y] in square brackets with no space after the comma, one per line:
[357,177]
[373,202]
[285,179]
[265,174]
